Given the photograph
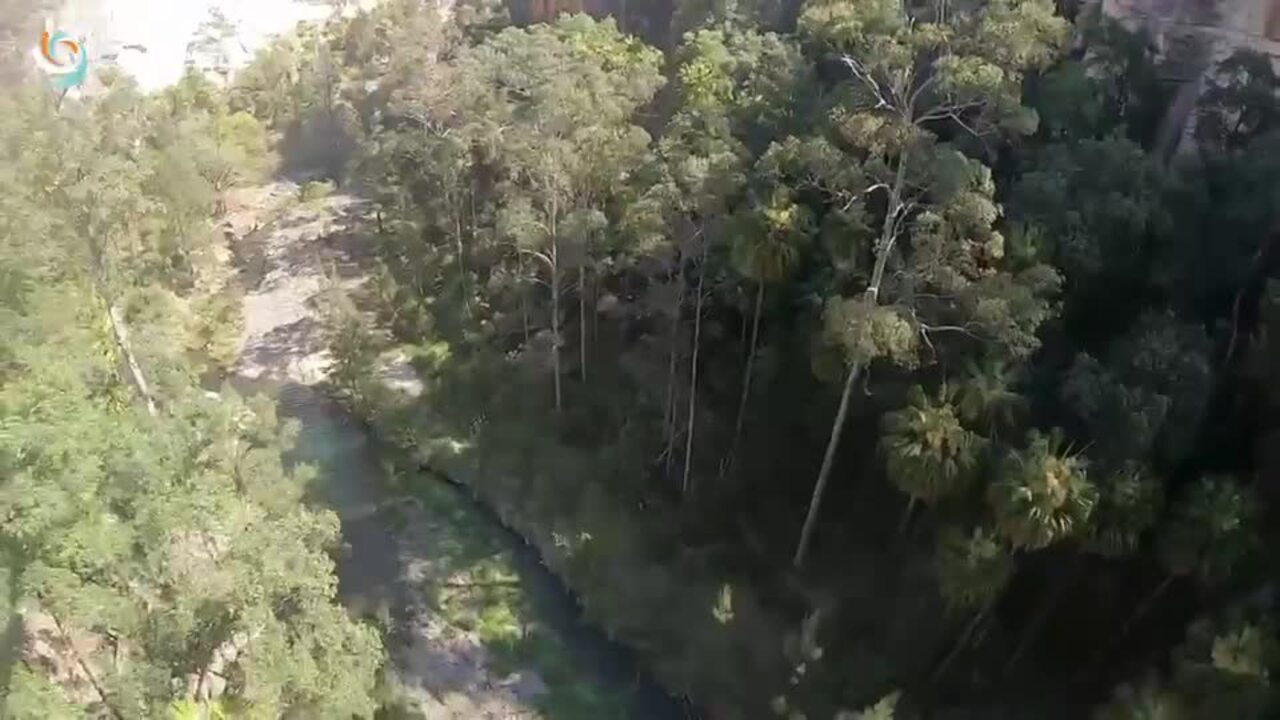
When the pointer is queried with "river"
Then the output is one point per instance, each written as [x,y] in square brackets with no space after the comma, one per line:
[407,534]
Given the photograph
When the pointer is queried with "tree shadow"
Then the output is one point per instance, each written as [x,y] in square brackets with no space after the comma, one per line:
[271,354]
[375,570]
[513,593]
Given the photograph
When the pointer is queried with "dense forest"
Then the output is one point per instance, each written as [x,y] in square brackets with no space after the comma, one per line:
[846,358]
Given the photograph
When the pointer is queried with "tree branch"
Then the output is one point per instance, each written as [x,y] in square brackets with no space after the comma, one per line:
[865,76]
[949,111]
[540,255]
[926,329]
[84,667]
[867,191]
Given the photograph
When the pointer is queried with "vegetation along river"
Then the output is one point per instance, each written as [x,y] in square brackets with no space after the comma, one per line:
[476,626]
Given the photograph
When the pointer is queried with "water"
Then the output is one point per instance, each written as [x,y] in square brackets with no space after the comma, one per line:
[354,483]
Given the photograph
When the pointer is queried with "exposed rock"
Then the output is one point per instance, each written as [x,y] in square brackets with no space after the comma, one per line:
[66,655]
[443,671]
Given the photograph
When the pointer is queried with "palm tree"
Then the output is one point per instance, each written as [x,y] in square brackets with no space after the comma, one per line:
[973,568]
[1221,670]
[1129,501]
[765,253]
[928,453]
[1148,701]
[1224,666]
[1212,530]
[985,395]
[1042,494]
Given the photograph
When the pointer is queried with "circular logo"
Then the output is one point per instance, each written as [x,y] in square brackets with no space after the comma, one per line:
[63,59]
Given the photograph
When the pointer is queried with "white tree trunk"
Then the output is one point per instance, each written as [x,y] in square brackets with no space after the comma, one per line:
[669,418]
[555,305]
[883,249]
[582,321]
[693,372]
[746,383]
[120,331]
[828,460]
[462,265]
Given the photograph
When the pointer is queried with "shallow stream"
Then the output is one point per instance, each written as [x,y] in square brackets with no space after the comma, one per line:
[353,481]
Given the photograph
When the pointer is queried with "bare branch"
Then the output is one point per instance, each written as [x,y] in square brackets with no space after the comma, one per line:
[865,76]
[949,111]
[904,212]
[915,95]
[926,329]
[551,265]
[854,196]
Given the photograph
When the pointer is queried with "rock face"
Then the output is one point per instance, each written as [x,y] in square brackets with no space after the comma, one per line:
[1192,36]
[1227,25]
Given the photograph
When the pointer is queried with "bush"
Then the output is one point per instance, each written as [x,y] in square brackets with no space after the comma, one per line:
[315,190]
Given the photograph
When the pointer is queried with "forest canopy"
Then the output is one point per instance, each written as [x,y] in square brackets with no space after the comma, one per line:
[847,358]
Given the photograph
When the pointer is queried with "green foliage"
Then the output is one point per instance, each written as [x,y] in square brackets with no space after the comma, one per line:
[882,710]
[1129,503]
[985,397]
[1098,201]
[768,245]
[314,190]
[928,455]
[1240,103]
[191,710]
[32,696]
[867,332]
[355,350]
[972,567]
[1146,701]
[1041,494]
[1211,530]
[895,197]
[151,531]
[1150,397]
[1222,669]
[136,504]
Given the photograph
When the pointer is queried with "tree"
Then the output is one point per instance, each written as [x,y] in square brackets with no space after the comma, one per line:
[702,170]
[210,49]
[578,142]
[928,454]
[1130,501]
[973,568]
[985,396]
[145,556]
[1221,669]
[910,75]
[239,154]
[1147,400]
[1210,532]
[869,194]
[765,252]
[137,505]
[136,537]
[1240,103]
[1098,203]
[1041,494]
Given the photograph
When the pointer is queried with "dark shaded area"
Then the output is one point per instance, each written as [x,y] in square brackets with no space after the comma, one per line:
[353,481]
